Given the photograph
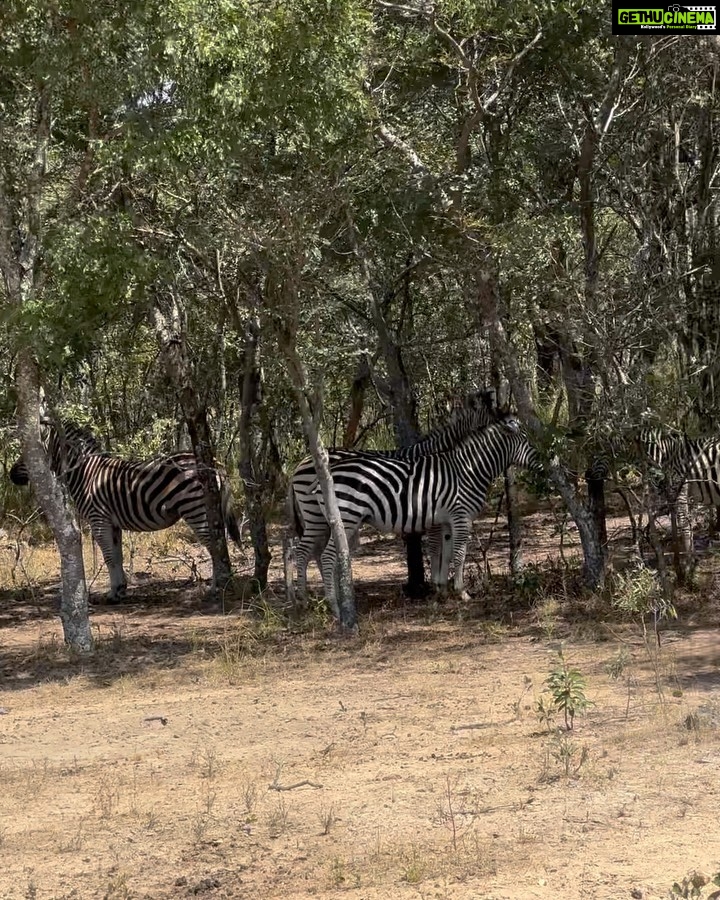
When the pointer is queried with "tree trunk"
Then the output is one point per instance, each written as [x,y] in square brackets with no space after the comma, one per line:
[20,255]
[344,589]
[515,532]
[53,502]
[593,556]
[402,403]
[357,402]
[170,328]
[250,463]
[596,505]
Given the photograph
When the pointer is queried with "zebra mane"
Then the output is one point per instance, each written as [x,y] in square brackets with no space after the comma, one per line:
[489,432]
[477,410]
[69,432]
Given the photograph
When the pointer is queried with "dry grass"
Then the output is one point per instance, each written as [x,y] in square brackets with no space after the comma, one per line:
[243,756]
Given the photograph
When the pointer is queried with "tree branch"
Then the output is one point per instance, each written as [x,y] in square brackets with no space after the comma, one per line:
[390,139]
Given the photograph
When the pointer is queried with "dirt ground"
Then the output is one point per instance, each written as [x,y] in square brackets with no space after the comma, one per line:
[238,756]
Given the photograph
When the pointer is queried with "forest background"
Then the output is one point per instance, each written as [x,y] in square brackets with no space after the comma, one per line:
[230,218]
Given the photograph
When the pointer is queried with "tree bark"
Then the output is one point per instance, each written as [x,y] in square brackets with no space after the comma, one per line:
[170,328]
[515,532]
[402,403]
[74,612]
[580,374]
[594,557]
[20,246]
[250,463]
[596,505]
[345,593]
[357,402]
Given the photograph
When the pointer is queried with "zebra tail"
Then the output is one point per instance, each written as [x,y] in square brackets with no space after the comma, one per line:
[295,520]
[232,525]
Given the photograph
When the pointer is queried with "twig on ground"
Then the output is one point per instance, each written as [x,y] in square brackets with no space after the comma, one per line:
[291,787]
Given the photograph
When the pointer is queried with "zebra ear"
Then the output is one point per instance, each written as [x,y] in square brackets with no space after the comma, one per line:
[43,406]
[489,398]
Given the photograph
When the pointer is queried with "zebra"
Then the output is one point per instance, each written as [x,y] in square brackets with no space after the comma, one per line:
[304,508]
[680,461]
[440,489]
[114,494]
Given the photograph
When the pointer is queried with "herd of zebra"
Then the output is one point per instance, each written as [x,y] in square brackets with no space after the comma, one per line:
[436,486]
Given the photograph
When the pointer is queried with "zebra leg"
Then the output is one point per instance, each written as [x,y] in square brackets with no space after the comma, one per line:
[441,551]
[327,569]
[460,535]
[312,543]
[109,539]
[435,547]
[446,554]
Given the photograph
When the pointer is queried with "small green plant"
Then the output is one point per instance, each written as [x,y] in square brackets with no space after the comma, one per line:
[566,687]
[638,593]
[327,818]
[693,885]
[545,711]
[616,666]
[569,755]
[337,872]
[415,869]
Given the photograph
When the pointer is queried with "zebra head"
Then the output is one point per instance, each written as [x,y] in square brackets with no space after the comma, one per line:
[664,451]
[500,446]
[522,452]
[468,414]
[65,446]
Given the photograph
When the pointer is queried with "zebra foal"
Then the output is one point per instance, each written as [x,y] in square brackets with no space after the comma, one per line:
[114,495]
[442,493]
[304,507]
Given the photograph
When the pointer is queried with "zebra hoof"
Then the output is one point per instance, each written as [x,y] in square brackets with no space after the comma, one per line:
[417,590]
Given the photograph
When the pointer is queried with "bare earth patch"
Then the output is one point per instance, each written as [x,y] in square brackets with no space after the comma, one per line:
[233,757]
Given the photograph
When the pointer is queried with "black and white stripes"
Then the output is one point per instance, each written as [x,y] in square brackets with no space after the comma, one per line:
[439,491]
[114,494]
[477,411]
[681,460]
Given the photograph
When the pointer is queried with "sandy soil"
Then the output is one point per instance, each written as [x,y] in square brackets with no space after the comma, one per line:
[236,757]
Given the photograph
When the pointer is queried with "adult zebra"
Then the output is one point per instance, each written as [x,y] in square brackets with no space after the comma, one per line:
[685,469]
[114,494]
[681,460]
[439,490]
[305,511]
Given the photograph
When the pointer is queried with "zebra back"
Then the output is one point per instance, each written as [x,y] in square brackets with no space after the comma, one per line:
[405,495]
[665,450]
[65,446]
[477,411]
